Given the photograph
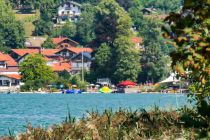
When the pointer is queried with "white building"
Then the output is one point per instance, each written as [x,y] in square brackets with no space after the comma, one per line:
[9,82]
[68,11]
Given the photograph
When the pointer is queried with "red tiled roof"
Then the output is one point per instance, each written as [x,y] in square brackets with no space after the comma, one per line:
[9,60]
[79,50]
[22,52]
[137,40]
[58,67]
[49,51]
[13,76]
[60,39]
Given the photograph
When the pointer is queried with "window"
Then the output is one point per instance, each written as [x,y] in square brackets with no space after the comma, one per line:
[68,12]
[0,82]
[2,64]
[6,82]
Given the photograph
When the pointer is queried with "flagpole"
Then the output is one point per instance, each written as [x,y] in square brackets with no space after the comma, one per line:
[82,64]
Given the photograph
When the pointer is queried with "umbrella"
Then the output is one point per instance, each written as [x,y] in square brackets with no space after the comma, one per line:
[127,83]
[172,78]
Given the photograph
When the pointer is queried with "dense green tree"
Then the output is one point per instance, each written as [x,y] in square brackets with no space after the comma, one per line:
[165,6]
[43,27]
[48,43]
[190,32]
[35,73]
[127,4]
[48,10]
[137,18]
[11,31]
[113,27]
[103,58]
[86,24]
[155,51]
[127,60]
[68,30]
[155,65]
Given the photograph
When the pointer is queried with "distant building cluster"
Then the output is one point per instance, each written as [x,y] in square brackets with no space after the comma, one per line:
[67,56]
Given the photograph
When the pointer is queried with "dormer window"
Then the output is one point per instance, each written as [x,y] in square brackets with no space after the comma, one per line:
[2,64]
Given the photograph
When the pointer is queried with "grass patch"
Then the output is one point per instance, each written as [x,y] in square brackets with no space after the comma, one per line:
[27,19]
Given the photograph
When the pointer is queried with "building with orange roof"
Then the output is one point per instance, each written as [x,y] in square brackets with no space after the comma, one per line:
[17,53]
[64,42]
[7,62]
[60,66]
[9,82]
[68,53]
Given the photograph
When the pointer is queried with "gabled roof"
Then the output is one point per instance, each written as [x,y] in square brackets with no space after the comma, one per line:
[60,39]
[61,66]
[78,50]
[13,76]
[22,52]
[49,51]
[8,59]
[136,40]
[72,2]
[152,10]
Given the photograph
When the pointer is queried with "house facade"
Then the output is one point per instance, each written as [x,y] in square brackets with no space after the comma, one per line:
[81,61]
[9,82]
[69,53]
[68,11]
[9,73]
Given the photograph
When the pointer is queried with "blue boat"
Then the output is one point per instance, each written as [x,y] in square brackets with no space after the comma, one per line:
[72,91]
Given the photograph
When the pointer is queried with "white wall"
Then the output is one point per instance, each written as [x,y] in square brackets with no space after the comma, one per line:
[77,65]
[4,88]
[72,10]
[2,73]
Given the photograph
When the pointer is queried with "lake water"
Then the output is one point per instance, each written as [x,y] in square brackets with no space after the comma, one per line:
[17,110]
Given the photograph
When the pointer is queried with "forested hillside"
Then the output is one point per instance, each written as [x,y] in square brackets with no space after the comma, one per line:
[104,26]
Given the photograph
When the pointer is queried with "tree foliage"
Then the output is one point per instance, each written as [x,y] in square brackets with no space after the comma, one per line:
[35,73]
[48,43]
[190,32]
[165,6]
[113,27]
[11,31]
[86,24]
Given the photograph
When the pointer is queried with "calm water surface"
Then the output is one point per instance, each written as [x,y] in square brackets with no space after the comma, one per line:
[16,110]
